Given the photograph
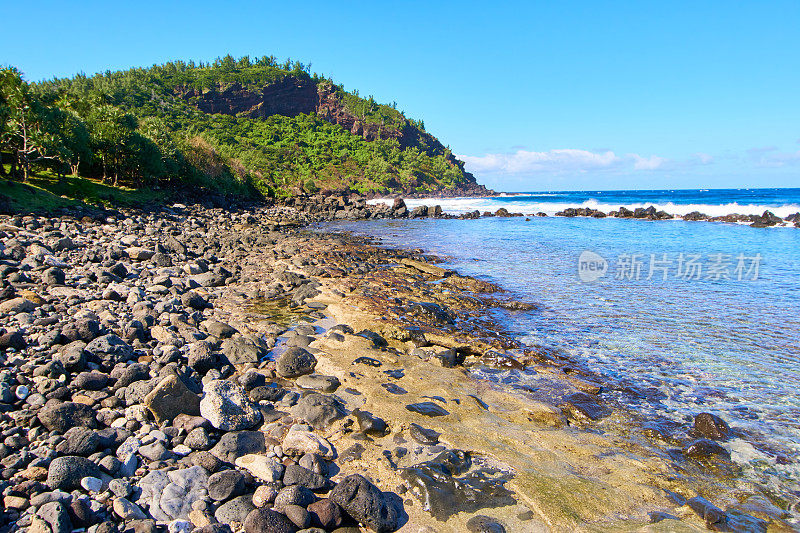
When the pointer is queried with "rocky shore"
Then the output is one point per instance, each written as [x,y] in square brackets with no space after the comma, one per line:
[196,369]
[354,207]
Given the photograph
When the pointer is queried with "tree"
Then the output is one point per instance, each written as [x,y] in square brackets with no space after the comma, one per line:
[111,132]
[27,130]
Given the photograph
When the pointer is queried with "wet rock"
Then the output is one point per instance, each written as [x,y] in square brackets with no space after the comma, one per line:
[484,524]
[295,362]
[369,361]
[711,426]
[432,313]
[393,389]
[227,407]
[581,405]
[714,517]
[704,449]
[422,435]
[365,503]
[319,410]
[265,520]
[427,409]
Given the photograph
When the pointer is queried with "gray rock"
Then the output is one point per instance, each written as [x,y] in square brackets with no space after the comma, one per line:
[365,503]
[79,441]
[93,380]
[242,349]
[73,356]
[110,347]
[484,524]
[53,276]
[239,443]
[66,472]
[56,516]
[63,416]
[202,357]
[298,515]
[235,510]
[319,410]
[295,362]
[170,496]
[155,451]
[226,484]
[265,520]
[294,495]
[198,439]
[318,382]
[227,406]
[170,398]
[297,475]
[218,329]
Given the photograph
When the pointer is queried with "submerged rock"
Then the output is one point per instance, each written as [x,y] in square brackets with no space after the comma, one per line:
[427,409]
[711,426]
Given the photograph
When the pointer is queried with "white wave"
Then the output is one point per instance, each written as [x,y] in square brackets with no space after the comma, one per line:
[458,206]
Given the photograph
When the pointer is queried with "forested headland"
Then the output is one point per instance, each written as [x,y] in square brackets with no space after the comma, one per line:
[254,128]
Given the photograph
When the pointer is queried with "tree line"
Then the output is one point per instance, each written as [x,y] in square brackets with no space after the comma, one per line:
[131,128]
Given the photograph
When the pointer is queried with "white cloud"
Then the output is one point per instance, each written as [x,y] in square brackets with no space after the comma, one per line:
[770,156]
[567,160]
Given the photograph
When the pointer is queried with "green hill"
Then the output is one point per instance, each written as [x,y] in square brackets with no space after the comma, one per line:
[234,126]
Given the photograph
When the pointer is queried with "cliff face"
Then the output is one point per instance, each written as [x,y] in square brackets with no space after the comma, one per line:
[292,96]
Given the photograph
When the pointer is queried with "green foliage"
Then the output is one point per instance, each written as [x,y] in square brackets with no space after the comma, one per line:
[142,128]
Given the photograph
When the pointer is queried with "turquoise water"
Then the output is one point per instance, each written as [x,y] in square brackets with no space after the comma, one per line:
[706,341]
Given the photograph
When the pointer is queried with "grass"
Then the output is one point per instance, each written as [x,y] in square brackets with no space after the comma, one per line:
[44,192]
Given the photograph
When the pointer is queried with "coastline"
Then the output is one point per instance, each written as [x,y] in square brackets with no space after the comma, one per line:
[573,461]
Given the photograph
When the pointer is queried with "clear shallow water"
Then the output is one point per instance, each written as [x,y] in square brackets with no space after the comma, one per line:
[727,346]
[713,202]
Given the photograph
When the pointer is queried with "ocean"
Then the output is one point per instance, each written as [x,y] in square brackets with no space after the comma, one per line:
[712,202]
[703,316]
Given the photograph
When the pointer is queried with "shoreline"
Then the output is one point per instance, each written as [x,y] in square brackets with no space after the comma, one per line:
[572,461]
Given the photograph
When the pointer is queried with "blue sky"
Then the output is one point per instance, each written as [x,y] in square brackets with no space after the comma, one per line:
[532,95]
